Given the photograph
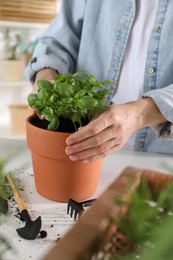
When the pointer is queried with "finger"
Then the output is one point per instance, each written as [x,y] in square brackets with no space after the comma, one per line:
[32,111]
[35,88]
[94,141]
[41,117]
[100,150]
[102,155]
[93,128]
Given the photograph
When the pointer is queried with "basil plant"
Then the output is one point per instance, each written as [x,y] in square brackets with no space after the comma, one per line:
[77,97]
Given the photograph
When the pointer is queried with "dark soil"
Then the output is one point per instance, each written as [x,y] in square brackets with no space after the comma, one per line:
[65,126]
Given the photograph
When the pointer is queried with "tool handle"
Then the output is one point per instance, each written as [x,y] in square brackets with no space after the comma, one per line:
[16,193]
[87,203]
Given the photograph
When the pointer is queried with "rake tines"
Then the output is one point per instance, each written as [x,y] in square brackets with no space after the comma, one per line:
[75,208]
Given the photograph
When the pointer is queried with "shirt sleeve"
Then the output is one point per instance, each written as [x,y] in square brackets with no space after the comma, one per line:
[163,98]
[58,46]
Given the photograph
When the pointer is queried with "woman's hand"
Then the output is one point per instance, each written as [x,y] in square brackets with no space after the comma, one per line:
[111,129]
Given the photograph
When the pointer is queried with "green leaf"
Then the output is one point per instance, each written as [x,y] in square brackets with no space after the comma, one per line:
[66,101]
[103,93]
[64,90]
[42,94]
[61,109]
[39,111]
[38,104]
[165,197]
[32,98]
[144,190]
[53,98]
[65,78]
[101,103]
[79,73]
[58,77]
[53,124]
[76,117]
[80,93]
[82,75]
[108,82]
[48,113]
[87,102]
[44,84]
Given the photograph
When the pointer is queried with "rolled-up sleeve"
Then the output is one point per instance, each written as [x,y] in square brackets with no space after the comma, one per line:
[163,98]
[58,46]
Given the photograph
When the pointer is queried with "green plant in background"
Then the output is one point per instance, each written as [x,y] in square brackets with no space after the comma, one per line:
[4,190]
[11,45]
[4,195]
[148,224]
[28,47]
[77,97]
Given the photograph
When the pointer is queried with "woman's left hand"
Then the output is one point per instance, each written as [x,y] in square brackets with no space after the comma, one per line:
[110,130]
[103,135]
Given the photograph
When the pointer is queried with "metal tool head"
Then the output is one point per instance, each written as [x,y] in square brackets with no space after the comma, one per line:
[74,208]
[31,229]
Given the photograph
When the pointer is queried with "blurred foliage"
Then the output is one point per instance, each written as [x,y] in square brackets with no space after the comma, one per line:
[12,43]
[148,224]
[4,195]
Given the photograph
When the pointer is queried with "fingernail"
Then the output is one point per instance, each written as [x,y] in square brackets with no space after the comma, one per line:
[85,161]
[73,158]
[68,151]
[69,141]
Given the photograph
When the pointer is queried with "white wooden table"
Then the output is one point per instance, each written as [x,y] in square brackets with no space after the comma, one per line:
[53,214]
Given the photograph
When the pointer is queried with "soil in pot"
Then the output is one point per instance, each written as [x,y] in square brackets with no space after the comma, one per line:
[65,126]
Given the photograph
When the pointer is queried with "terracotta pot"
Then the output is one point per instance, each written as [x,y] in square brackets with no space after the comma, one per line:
[56,176]
[18,113]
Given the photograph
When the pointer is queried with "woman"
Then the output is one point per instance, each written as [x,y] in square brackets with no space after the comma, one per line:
[128,42]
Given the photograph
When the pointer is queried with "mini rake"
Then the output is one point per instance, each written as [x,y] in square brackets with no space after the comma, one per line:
[75,208]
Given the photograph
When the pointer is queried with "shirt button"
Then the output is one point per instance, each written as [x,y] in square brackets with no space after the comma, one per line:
[151,70]
[156,28]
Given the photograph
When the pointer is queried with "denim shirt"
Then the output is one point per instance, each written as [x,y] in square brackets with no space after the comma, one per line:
[92,36]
